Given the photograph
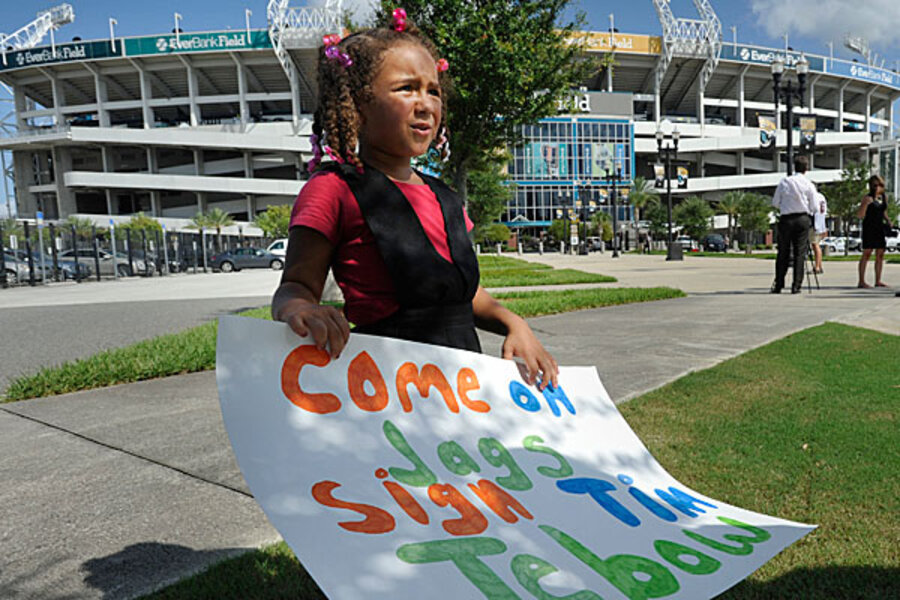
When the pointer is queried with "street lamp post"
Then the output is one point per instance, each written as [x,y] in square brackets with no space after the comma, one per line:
[786,91]
[669,152]
[613,176]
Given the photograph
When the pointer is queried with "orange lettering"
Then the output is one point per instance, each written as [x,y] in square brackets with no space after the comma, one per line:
[499,501]
[290,380]
[361,370]
[376,521]
[471,521]
[406,501]
[431,376]
[467,381]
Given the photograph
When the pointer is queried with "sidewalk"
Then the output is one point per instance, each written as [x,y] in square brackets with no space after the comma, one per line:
[115,492]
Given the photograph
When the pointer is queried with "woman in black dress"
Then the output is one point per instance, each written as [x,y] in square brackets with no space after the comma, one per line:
[873,212]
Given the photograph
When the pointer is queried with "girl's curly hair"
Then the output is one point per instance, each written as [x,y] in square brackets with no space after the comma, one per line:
[342,90]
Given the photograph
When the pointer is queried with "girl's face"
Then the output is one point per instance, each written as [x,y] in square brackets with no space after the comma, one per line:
[402,118]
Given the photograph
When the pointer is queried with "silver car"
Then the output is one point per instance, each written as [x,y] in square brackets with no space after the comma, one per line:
[108,265]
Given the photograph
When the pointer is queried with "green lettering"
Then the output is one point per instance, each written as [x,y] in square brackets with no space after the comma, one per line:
[744,542]
[464,553]
[672,552]
[529,569]
[456,459]
[620,569]
[564,470]
[496,453]
[421,475]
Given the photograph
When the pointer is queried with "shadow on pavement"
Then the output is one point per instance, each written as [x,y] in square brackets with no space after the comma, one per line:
[831,583]
[135,570]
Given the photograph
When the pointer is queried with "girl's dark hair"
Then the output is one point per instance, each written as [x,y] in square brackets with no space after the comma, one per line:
[342,90]
[874,182]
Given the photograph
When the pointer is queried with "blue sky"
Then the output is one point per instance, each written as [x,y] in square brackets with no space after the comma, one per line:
[810,24]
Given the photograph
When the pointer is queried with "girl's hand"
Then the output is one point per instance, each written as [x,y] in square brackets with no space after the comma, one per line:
[521,342]
[325,324]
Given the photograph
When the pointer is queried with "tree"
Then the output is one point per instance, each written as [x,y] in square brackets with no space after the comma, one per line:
[730,204]
[602,221]
[275,221]
[488,196]
[642,194]
[213,219]
[558,230]
[844,196]
[84,227]
[693,215]
[511,63]
[753,216]
[497,233]
[658,217]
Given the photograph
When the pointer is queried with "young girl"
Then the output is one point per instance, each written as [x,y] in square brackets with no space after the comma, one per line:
[395,238]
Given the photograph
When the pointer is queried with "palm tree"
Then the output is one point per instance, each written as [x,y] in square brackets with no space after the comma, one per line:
[642,194]
[730,204]
[217,218]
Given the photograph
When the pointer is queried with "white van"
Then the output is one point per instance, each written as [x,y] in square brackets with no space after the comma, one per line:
[278,247]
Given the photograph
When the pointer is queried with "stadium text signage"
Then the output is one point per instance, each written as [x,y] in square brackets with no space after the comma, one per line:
[624,42]
[765,56]
[64,53]
[866,73]
[403,471]
[197,42]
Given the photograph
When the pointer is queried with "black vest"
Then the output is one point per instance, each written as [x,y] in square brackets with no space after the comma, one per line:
[433,293]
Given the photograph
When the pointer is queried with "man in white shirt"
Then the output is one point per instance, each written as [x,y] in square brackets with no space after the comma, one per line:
[795,200]
[820,229]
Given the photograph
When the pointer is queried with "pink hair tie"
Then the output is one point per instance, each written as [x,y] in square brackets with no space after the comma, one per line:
[399,17]
[442,65]
[331,39]
[333,155]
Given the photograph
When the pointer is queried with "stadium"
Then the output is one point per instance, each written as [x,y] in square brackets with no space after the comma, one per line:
[175,123]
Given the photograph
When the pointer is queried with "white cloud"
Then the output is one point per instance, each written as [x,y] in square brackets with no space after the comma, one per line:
[876,20]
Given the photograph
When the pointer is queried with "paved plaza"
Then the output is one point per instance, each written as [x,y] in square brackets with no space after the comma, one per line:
[115,492]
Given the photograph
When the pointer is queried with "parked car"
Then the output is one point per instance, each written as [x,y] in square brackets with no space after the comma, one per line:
[832,245]
[17,266]
[109,265]
[245,258]
[893,241]
[687,243]
[278,247]
[713,242]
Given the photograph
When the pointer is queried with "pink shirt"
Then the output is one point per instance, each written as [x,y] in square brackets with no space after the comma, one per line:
[327,205]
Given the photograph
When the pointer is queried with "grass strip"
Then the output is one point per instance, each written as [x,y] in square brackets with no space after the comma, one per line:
[195,349]
[487,262]
[516,277]
[536,303]
[186,351]
[780,430]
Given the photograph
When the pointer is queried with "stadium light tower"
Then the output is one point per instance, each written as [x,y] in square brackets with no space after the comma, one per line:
[787,91]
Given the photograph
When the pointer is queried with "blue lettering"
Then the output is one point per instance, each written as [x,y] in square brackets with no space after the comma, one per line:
[523,398]
[647,502]
[597,489]
[683,501]
[555,396]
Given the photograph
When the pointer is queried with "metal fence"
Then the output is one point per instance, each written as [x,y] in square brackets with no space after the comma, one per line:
[34,254]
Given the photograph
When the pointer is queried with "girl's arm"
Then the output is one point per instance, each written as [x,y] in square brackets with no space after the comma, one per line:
[520,341]
[296,301]
[866,201]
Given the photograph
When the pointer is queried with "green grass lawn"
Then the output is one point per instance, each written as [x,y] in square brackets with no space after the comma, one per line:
[502,271]
[805,428]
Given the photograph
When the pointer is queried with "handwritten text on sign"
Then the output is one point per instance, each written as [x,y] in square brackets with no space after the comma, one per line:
[403,470]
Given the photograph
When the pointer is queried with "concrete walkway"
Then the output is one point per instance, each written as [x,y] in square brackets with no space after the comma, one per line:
[115,492]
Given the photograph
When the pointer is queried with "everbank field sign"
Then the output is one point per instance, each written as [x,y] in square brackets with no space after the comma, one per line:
[408,471]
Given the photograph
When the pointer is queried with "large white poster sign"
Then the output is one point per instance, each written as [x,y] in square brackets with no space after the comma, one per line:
[403,470]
